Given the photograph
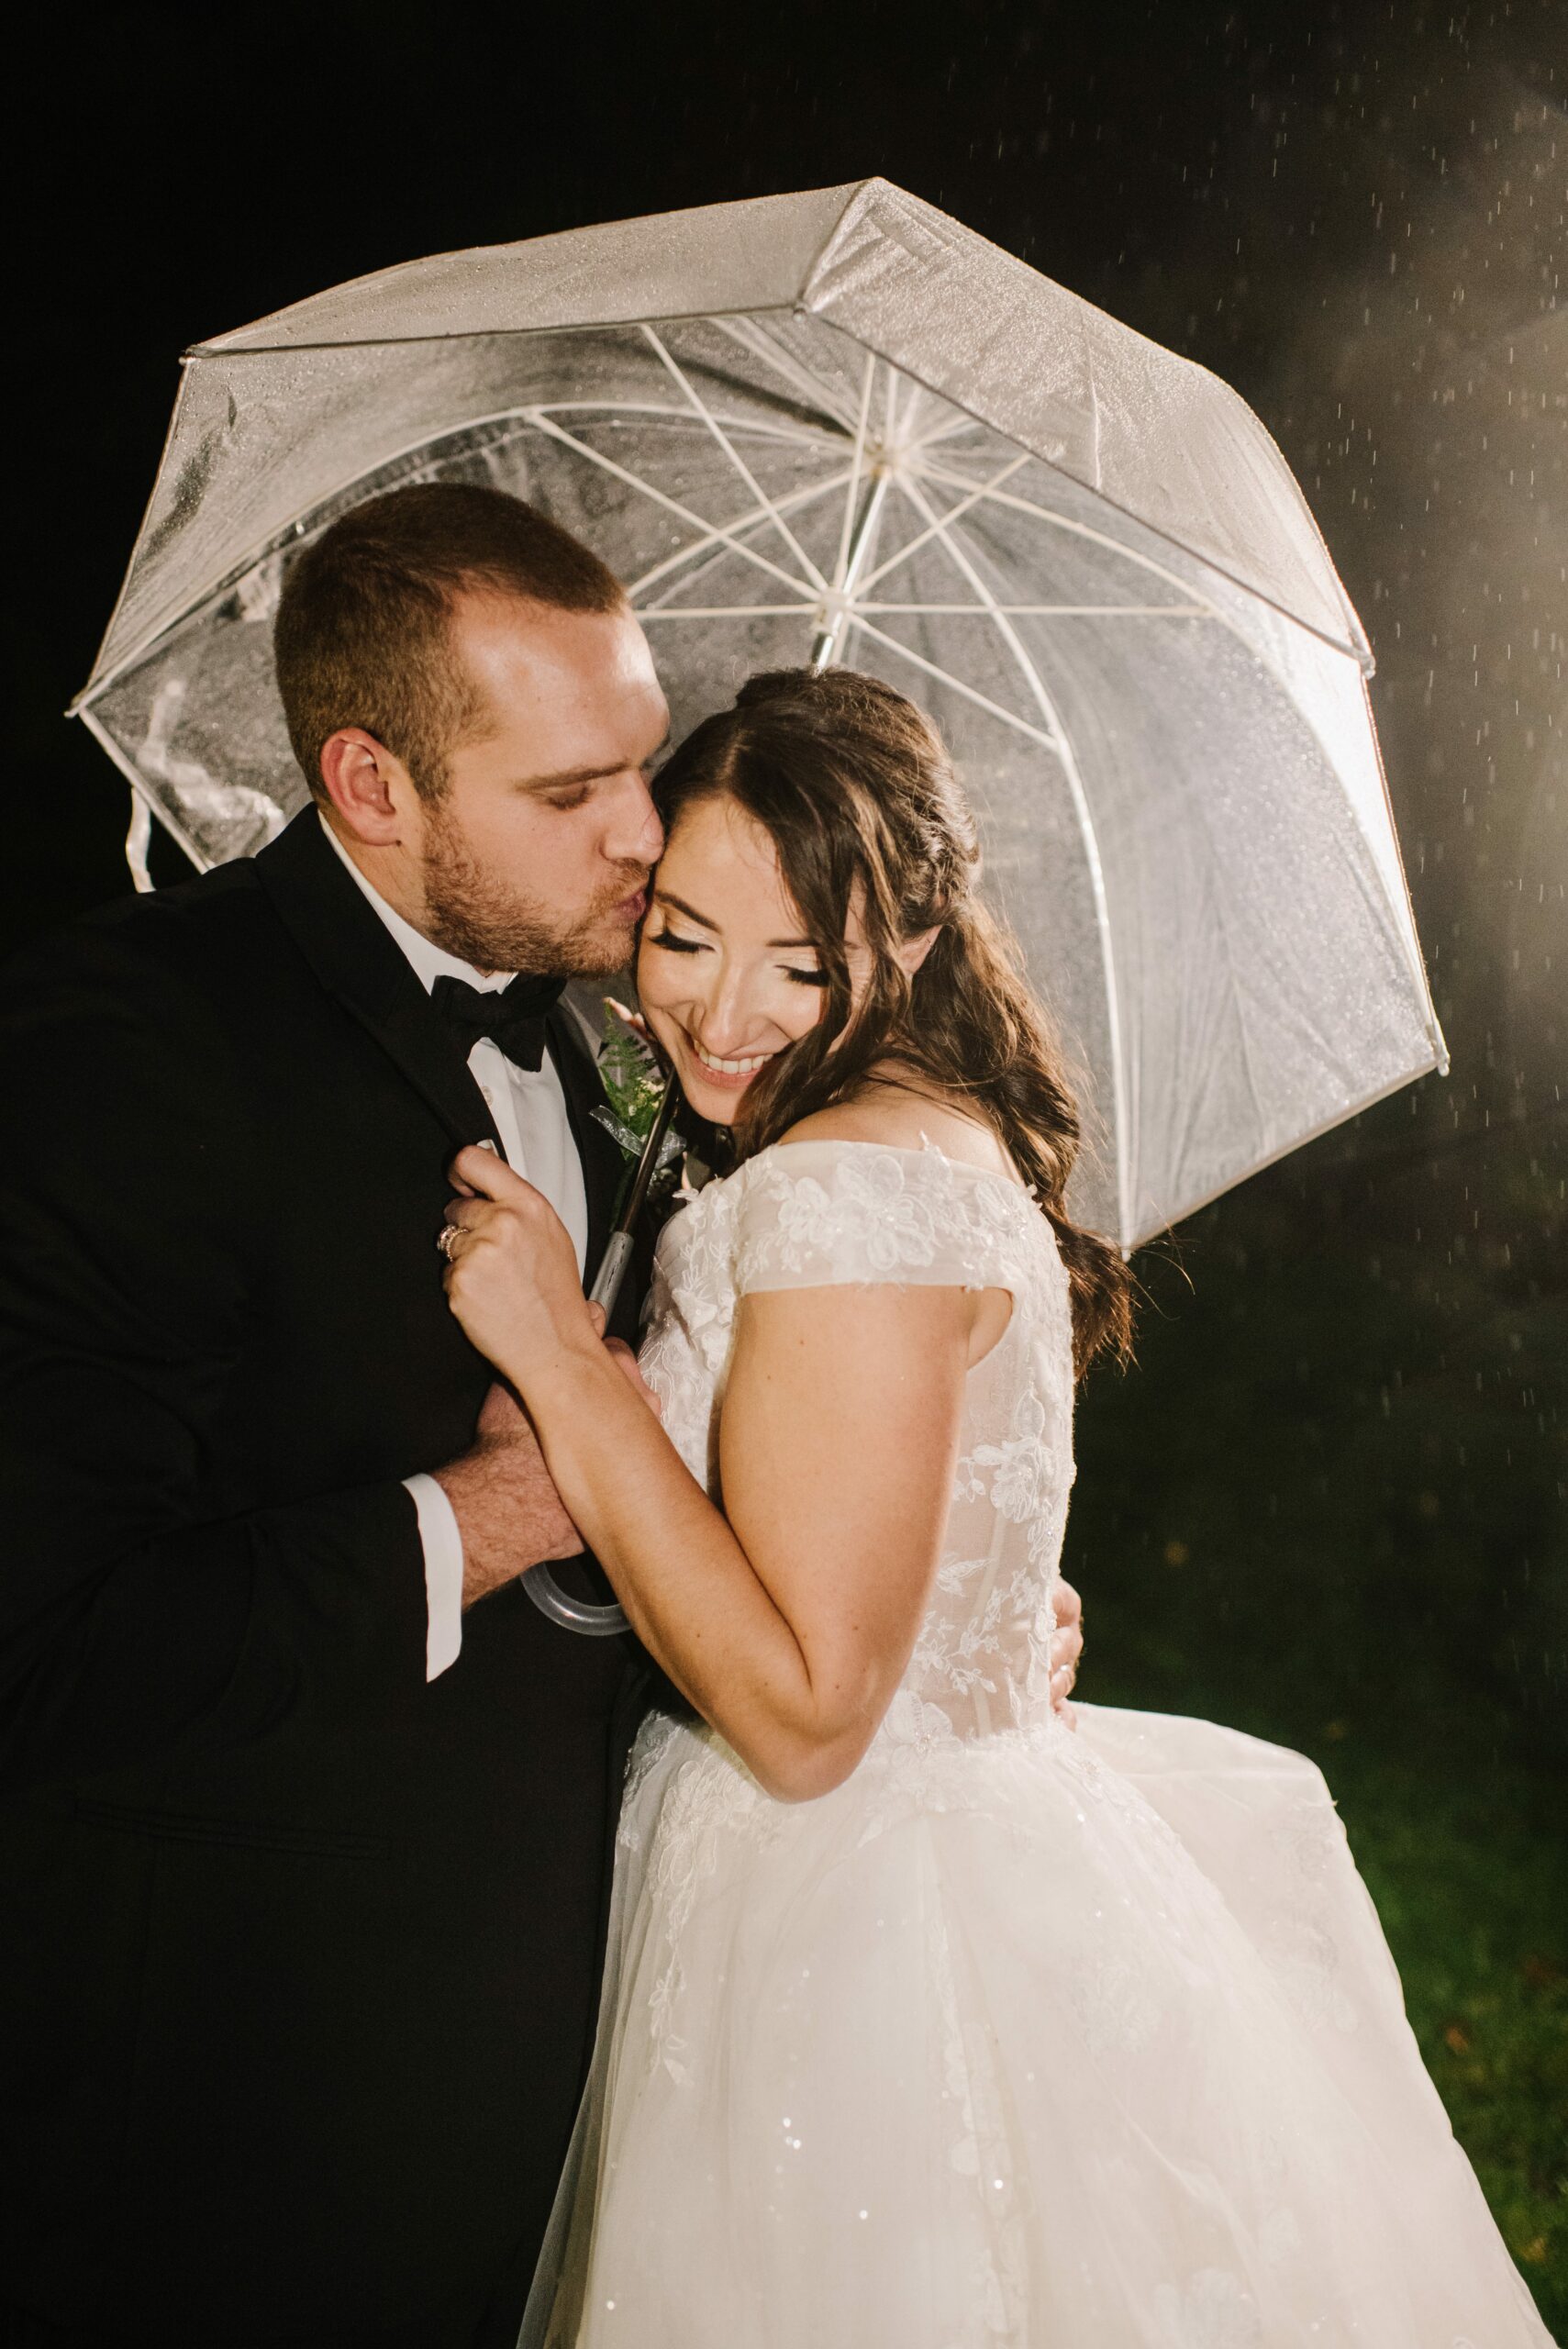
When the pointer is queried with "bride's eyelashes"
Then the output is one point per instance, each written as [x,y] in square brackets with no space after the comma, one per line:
[676,944]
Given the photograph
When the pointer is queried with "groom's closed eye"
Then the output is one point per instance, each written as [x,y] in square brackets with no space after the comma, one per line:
[575,789]
[560,791]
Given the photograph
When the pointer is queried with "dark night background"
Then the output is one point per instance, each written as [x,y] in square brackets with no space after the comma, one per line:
[1328,1505]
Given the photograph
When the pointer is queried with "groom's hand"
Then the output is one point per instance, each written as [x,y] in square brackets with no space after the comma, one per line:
[1066,1647]
[508,1509]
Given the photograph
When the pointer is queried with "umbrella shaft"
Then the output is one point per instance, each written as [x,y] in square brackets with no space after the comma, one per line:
[618,1255]
[825,644]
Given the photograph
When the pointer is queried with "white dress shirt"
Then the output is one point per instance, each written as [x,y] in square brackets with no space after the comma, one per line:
[529,1106]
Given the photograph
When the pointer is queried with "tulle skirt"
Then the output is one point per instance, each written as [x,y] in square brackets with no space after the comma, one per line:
[1055,2040]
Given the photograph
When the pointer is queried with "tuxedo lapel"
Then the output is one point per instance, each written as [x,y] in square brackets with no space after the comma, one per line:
[358,961]
[603,1163]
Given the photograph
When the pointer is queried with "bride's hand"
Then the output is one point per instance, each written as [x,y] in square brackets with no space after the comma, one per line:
[512,1278]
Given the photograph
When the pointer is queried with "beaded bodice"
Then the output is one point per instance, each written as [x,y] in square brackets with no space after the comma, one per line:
[807,1215]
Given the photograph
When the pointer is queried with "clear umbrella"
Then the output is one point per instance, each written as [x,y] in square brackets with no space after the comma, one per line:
[840,426]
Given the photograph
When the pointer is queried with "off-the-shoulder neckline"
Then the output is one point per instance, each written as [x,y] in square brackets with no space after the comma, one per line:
[925,1153]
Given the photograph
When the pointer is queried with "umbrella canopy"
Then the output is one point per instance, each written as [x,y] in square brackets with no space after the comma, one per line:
[840,426]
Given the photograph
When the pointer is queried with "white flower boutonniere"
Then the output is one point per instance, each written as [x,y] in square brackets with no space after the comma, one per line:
[634,1086]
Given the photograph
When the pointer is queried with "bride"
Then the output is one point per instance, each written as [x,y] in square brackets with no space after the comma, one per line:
[931,2020]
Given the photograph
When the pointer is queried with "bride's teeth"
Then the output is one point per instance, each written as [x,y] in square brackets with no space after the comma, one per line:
[731,1068]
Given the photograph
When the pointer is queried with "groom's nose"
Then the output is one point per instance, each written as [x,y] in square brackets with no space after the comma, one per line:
[635,835]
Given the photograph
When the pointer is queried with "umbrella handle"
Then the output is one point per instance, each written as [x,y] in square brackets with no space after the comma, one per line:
[591,1620]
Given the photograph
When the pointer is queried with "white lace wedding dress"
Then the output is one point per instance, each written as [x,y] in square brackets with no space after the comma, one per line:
[1058,2040]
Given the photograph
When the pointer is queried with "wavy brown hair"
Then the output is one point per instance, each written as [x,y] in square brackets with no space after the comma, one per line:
[854,787]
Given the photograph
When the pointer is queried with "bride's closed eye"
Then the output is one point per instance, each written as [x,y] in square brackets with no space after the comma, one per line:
[676,944]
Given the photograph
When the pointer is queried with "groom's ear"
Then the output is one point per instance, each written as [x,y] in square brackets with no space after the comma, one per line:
[370,788]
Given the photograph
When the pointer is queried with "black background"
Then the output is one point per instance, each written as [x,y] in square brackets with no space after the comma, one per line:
[1329,1503]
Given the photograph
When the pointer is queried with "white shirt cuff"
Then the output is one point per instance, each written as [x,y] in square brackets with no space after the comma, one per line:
[443,1545]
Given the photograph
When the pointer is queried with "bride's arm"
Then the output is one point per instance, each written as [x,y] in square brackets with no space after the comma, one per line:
[788,1619]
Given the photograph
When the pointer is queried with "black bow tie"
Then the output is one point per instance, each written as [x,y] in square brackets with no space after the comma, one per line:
[512,1016]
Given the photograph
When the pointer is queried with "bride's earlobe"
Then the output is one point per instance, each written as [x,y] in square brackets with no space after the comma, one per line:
[913,951]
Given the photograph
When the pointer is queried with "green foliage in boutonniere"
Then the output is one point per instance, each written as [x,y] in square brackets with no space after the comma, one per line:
[634,1088]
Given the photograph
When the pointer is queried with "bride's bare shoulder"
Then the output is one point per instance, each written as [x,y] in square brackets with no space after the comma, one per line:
[893,1110]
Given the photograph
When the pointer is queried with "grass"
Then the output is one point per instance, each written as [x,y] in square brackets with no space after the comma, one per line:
[1466,1866]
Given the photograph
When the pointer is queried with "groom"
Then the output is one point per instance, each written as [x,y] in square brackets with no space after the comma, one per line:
[305,1851]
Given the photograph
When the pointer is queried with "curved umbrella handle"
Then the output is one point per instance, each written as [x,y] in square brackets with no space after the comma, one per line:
[584,1616]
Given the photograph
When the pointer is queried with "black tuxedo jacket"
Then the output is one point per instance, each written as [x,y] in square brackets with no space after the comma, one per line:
[298,1954]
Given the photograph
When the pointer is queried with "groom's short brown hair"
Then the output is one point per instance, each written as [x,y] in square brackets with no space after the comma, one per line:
[363,633]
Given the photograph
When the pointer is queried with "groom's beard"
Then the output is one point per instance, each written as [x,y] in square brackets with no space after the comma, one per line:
[474,915]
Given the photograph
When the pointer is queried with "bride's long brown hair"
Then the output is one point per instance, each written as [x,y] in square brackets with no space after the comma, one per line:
[854,787]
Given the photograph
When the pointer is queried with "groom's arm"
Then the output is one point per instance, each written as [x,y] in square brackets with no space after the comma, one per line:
[139,1615]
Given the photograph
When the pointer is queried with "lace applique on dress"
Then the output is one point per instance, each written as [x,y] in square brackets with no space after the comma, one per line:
[816,1214]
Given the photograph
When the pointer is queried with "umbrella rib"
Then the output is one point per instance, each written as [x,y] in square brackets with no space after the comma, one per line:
[764,424]
[1099,538]
[537,417]
[922,536]
[1206,607]
[742,467]
[1051,611]
[698,521]
[139,785]
[749,335]
[960,685]
[713,537]
[704,562]
[856,467]
[919,611]
[1090,839]
[936,611]
[890,406]
[949,431]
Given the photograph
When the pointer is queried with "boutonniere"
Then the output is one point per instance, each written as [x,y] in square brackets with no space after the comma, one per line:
[634,1086]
